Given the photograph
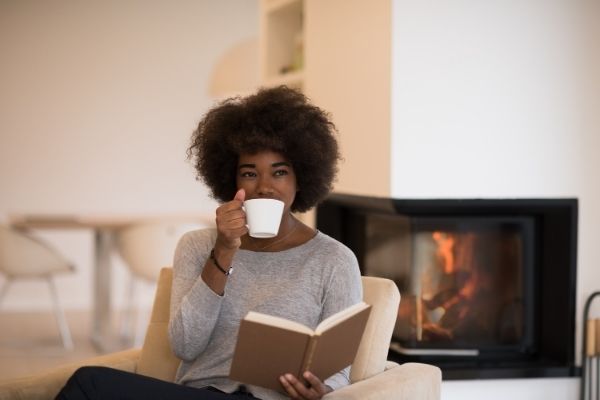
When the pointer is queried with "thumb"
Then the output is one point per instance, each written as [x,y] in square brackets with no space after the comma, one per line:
[240,195]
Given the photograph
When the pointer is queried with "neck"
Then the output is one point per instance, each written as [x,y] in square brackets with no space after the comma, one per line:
[285,237]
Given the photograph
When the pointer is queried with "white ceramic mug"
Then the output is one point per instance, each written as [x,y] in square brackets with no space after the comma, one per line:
[263,217]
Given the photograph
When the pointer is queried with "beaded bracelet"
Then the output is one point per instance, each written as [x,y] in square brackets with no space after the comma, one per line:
[214,260]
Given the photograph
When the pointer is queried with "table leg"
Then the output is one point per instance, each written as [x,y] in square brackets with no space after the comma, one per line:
[101,318]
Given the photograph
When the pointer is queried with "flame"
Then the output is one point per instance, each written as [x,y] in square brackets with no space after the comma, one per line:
[454,253]
[445,250]
[451,299]
[468,290]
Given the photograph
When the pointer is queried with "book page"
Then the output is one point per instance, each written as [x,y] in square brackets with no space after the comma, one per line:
[336,347]
[340,316]
[277,322]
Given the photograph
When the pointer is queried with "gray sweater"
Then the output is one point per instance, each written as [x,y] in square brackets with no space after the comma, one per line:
[306,284]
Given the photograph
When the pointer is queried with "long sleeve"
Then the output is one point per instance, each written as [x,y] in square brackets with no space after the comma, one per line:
[194,306]
[344,290]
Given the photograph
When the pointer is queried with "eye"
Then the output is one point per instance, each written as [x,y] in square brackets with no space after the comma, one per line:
[280,172]
[248,174]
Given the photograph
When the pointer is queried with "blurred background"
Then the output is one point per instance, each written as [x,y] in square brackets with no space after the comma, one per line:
[98,101]
[460,99]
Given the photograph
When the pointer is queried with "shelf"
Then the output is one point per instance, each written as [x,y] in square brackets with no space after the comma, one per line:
[282,42]
[292,79]
[274,5]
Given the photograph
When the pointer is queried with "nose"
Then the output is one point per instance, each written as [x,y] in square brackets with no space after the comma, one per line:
[265,186]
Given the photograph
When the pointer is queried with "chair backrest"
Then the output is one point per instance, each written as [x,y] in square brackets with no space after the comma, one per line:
[384,297]
[22,255]
[147,247]
[157,359]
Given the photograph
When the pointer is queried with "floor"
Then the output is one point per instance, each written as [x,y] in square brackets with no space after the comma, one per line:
[30,342]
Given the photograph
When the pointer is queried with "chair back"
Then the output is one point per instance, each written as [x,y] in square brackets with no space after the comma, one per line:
[157,358]
[149,246]
[22,255]
[384,297]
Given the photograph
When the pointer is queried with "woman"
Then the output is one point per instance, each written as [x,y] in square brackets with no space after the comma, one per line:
[273,144]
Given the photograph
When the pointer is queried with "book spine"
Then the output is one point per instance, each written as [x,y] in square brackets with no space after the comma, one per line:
[308,356]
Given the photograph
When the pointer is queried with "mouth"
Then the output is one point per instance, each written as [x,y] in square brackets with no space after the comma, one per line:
[264,197]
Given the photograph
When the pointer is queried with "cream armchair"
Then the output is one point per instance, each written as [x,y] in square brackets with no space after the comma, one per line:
[373,377]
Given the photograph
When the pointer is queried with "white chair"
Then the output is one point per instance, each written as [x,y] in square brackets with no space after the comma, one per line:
[25,257]
[146,247]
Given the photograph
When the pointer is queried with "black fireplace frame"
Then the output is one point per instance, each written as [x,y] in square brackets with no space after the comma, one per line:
[556,229]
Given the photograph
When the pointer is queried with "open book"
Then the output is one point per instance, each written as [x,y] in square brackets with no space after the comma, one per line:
[268,346]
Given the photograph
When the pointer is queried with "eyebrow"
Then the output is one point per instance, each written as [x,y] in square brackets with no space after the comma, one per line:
[274,165]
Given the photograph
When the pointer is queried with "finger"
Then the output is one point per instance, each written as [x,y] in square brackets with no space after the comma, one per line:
[240,195]
[315,383]
[231,226]
[232,217]
[285,382]
[300,388]
[233,205]
[239,232]
[231,211]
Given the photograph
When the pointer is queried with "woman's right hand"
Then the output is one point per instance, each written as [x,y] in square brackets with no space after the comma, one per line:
[231,224]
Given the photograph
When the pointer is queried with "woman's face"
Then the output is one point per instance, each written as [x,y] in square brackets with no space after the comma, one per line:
[267,174]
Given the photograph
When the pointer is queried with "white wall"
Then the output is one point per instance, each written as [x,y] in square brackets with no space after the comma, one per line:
[496,99]
[97,103]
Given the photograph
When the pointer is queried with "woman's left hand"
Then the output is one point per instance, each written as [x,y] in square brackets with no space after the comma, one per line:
[298,390]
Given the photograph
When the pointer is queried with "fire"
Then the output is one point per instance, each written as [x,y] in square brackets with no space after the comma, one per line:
[462,292]
[445,250]
[456,289]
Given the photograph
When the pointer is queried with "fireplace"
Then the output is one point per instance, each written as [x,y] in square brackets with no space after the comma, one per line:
[488,285]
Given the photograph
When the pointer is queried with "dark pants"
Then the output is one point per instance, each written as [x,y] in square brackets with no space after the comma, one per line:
[98,383]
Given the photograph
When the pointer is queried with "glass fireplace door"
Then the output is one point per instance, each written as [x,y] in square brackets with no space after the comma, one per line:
[463,280]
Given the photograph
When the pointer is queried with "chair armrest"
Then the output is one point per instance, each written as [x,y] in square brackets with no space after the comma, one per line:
[47,384]
[399,382]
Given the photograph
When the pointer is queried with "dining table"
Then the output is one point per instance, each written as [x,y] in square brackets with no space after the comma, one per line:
[104,227]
